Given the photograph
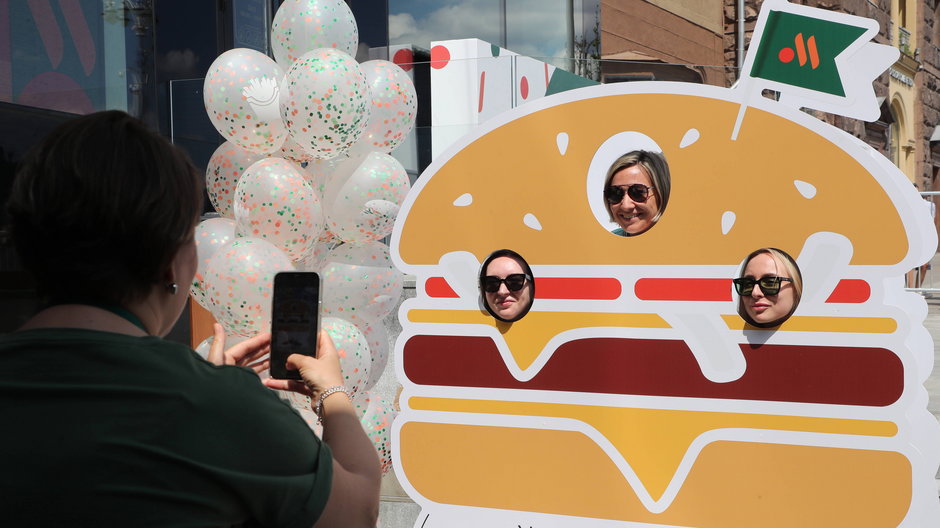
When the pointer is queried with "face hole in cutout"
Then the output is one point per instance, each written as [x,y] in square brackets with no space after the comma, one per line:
[628,184]
[507,286]
[769,286]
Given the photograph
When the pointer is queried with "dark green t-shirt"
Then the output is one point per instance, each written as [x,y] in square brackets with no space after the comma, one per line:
[102,429]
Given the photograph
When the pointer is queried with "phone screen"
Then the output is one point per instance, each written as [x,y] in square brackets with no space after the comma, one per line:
[295,320]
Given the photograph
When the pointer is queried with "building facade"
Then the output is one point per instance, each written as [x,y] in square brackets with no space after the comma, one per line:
[666,40]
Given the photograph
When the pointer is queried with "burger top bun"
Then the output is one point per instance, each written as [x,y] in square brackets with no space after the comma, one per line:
[532,181]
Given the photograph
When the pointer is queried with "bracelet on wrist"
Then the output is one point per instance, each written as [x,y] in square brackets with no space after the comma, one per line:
[324,395]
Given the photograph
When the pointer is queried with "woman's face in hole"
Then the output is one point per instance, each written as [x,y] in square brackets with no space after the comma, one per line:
[507,304]
[762,308]
[634,217]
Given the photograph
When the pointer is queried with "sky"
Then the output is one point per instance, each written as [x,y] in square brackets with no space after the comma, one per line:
[535,27]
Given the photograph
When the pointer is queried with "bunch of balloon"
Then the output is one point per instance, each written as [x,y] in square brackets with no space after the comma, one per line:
[376,415]
[305,181]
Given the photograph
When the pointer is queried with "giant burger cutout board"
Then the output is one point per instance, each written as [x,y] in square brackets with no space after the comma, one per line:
[632,393]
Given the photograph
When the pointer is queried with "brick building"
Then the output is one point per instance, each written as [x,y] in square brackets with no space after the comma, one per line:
[664,40]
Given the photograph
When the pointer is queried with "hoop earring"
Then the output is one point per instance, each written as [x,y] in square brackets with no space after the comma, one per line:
[172,288]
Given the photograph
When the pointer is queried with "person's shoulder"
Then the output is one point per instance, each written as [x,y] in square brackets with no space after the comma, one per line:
[222,381]
[80,344]
[237,393]
[619,232]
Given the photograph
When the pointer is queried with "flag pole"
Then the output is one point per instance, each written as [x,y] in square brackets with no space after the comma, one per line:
[744,85]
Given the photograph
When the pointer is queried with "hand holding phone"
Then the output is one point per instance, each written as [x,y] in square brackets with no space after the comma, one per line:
[295,319]
[321,372]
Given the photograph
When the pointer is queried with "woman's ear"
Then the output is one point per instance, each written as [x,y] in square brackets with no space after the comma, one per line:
[182,267]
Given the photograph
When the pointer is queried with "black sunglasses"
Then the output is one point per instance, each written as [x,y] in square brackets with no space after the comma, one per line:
[768,285]
[637,192]
[513,282]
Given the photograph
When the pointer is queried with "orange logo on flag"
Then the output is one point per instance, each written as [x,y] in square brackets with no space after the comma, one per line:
[786,54]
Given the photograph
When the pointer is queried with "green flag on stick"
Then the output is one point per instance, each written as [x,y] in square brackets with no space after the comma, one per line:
[801,51]
[814,58]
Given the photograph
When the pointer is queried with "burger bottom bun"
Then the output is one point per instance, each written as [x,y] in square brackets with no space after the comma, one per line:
[730,484]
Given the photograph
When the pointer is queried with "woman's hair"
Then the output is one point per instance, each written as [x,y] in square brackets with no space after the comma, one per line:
[525,269]
[654,163]
[793,271]
[100,207]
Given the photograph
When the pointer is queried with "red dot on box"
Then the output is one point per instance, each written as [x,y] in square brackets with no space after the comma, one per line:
[440,56]
[404,58]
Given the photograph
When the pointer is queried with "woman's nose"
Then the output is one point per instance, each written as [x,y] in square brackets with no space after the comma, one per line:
[757,292]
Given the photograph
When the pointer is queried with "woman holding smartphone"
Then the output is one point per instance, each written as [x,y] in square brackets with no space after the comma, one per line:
[113,425]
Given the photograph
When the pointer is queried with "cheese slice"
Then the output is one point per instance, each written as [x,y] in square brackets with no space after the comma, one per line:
[527,337]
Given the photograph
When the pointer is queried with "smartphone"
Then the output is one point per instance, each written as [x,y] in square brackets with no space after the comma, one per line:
[295,319]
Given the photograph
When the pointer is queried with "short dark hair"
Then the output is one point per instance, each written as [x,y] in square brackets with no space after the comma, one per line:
[100,207]
[525,268]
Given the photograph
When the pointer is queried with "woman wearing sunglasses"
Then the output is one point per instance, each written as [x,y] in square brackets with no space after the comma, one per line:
[507,285]
[636,191]
[770,287]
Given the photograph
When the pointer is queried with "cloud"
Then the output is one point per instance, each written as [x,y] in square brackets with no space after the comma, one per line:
[400,25]
[534,27]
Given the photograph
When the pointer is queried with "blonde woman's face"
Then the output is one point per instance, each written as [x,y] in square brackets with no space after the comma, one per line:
[634,217]
[762,308]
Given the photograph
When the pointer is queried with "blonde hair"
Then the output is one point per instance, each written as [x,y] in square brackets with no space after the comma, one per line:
[655,166]
[783,258]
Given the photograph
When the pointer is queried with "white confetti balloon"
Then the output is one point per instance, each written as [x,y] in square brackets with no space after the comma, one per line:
[353,350]
[324,102]
[319,173]
[211,234]
[225,167]
[360,282]
[240,278]
[290,150]
[316,257]
[300,26]
[364,205]
[377,337]
[394,107]
[273,201]
[241,94]
[377,422]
